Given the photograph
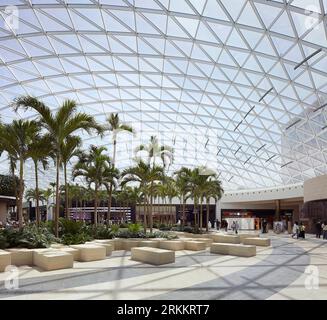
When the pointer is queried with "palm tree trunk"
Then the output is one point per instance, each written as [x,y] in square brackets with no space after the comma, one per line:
[96,206]
[21,192]
[109,203]
[144,215]
[57,207]
[201,214]
[184,216]
[151,206]
[66,193]
[207,216]
[37,207]
[194,212]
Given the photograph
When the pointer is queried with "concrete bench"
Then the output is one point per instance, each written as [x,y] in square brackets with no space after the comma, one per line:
[221,238]
[128,244]
[263,242]
[53,260]
[238,250]
[207,241]
[149,243]
[172,245]
[118,244]
[21,256]
[195,245]
[107,241]
[72,251]
[5,260]
[107,246]
[57,245]
[248,235]
[90,252]
[153,256]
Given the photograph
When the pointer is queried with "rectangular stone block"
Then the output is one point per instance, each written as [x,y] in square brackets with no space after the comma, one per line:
[118,244]
[90,252]
[233,249]
[107,241]
[21,256]
[207,241]
[195,245]
[221,238]
[107,246]
[5,260]
[54,260]
[247,235]
[149,243]
[172,245]
[153,256]
[72,251]
[243,250]
[263,242]
[128,244]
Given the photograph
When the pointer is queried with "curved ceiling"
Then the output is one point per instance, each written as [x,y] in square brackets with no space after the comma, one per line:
[220,81]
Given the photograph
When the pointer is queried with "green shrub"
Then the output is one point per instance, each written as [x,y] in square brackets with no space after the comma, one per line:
[70,226]
[164,227]
[29,237]
[79,238]
[123,225]
[99,232]
[134,228]
[114,228]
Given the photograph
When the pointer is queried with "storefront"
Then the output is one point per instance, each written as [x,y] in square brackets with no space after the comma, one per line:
[251,219]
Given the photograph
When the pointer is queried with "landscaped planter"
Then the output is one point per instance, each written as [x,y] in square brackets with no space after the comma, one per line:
[172,245]
[153,256]
[90,252]
[5,260]
[21,256]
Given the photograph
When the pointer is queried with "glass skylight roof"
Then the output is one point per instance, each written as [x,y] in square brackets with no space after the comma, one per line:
[187,71]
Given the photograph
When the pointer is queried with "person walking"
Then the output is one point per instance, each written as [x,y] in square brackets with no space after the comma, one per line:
[237,226]
[302,231]
[233,226]
[264,226]
[295,231]
[318,229]
[324,231]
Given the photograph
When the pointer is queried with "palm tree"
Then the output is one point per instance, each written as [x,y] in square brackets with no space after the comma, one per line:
[155,150]
[47,194]
[111,176]
[69,149]
[146,176]
[92,166]
[40,151]
[215,191]
[16,139]
[115,126]
[65,122]
[183,187]
[35,195]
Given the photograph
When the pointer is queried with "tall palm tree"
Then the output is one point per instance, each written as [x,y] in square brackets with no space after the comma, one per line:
[16,139]
[115,126]
[69,149]
[65,122]
[111,176]
[91,166]
[213,190]
[40,151]
[198,183]
[146,176]
[47,194]
[35,195]
[182,177]
[155,150]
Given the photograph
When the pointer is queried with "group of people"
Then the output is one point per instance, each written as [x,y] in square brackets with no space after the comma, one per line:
[321,229]
[298,230]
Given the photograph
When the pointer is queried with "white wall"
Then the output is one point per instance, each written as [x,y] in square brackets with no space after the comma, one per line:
[315,189]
